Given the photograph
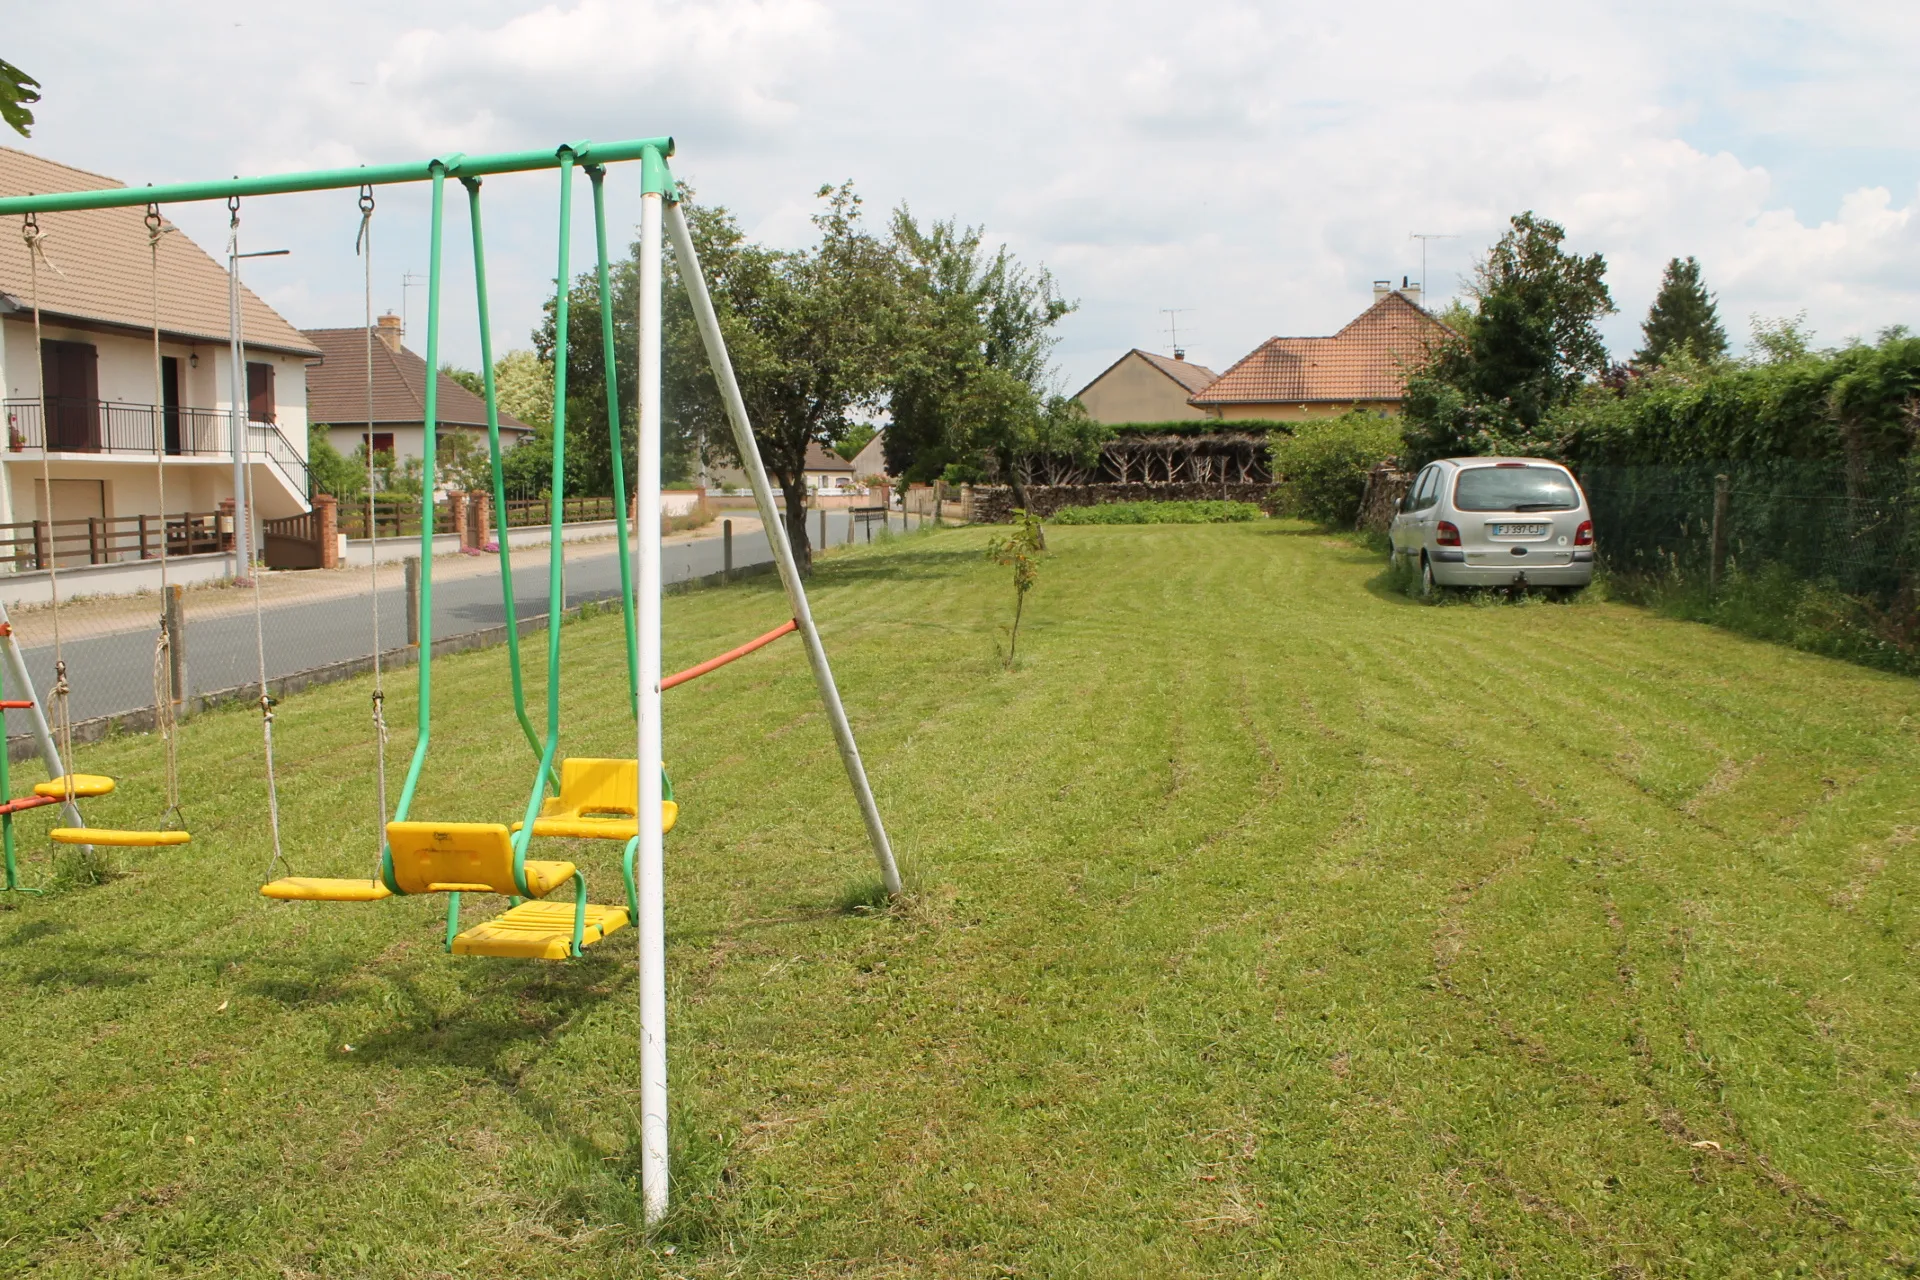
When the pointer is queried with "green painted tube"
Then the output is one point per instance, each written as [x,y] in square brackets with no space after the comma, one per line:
[429,463]
[608,361]
[493,453]
[556,594]
[649,150]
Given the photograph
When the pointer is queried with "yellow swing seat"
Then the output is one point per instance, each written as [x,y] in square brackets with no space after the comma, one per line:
[85,786]
[477,857]
[596,802]
[324,889]
[117,839]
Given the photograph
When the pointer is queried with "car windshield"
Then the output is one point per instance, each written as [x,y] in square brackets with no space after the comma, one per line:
[1510,488]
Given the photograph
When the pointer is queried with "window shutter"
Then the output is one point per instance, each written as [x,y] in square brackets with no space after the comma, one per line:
[259,392]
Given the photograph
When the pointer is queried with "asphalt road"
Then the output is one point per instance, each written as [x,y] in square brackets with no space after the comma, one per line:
[113,674]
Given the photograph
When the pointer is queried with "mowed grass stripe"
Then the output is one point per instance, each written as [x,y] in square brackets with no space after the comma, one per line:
[1265,923]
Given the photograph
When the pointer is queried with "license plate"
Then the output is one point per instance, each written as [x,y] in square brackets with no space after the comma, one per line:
[1519,530]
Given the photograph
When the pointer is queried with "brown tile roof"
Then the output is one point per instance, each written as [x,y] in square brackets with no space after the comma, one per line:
[337,387]
[1194,377]
[820,458]
[1368,360]
[102,267]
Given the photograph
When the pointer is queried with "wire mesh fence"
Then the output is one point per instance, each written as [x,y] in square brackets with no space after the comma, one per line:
[1848,526]
[319,624]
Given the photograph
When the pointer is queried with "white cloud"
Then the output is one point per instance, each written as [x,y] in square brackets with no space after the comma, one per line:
[1256,162]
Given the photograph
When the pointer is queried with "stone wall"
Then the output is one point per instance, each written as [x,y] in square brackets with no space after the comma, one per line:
[993,504]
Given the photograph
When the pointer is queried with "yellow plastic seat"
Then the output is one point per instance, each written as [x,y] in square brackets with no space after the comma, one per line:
[454,857]
[117,839]
[85,786]
[322,889]
[596,802]
[538,931]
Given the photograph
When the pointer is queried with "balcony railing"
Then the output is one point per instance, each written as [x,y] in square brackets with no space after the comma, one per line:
[114,427]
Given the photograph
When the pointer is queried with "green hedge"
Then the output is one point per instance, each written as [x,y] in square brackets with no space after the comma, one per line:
[1210,512]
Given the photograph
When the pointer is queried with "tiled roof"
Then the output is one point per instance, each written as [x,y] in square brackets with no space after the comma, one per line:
[337,387]
[1194,377]
[1191,377]
[98,267]
[1370,359]
[820,458]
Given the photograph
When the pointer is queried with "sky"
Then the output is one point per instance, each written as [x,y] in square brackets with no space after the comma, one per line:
[1254,166]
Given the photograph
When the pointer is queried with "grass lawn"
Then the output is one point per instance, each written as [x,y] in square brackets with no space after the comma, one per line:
[1265,923]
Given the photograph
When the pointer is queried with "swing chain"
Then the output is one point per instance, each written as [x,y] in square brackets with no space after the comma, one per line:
[366,198]
[233,211]
[153,222]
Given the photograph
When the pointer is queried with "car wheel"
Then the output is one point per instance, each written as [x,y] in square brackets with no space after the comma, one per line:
[1428,587]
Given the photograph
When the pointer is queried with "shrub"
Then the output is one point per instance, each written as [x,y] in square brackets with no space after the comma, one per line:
[1211,512]
[1323,465]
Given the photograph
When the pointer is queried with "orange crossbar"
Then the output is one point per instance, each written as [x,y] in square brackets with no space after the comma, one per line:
[12,705]
[694,673]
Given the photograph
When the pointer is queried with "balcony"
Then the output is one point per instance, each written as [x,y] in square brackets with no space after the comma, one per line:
[113,427]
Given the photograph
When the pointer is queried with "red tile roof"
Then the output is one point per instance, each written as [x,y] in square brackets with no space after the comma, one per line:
[337,387]
[1370,359]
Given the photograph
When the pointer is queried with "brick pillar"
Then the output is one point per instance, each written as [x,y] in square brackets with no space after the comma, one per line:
[480,521]
[327,508]
[457,508]
[226,524]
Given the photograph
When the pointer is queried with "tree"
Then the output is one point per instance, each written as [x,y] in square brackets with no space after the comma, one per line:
[968,385]
[1780,340]
[1682,318]
[857,438]
[17,90]
[332,471]
[809,332]
[523,382]
[467,378]
[463,460]
[1534,340]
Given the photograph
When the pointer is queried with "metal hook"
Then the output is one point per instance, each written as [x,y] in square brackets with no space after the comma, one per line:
[233,209]
[153,220]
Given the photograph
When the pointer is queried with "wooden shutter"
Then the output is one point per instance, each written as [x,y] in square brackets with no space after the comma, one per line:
[259,392]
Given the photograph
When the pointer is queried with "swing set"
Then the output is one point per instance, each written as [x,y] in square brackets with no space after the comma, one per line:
[570,797]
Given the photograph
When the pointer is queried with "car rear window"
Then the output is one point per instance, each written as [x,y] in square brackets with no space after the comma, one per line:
[1522,488]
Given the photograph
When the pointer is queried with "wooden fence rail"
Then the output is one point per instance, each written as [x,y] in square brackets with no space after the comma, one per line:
[36,544]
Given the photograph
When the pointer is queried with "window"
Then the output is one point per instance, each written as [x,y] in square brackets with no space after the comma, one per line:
[259,392]
[378,442]
[1511,486]
[1427,492]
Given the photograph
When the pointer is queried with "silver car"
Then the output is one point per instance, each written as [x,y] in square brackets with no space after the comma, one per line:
[1495,522]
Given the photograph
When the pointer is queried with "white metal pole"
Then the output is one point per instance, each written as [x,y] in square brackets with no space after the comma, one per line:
[237,388]
[650,868]
[696,285]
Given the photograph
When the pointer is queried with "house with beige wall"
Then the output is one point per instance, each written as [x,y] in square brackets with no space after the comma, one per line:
[82,406]
[1143,387]
[394,422]
[1364,366]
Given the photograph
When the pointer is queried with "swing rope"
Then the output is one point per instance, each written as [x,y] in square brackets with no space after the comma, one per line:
[246,513]
[62,713]
[163,690]
[363,246]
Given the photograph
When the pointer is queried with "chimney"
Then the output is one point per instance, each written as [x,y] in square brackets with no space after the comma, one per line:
[388,330]
[1179,353]
[1411,292]
[1381,288]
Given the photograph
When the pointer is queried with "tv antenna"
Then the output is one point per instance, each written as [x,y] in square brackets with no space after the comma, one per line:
[408,280]
[1423,237]
[1173,315]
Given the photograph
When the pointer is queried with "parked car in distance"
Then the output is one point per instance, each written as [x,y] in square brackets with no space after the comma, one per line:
[1495,522]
